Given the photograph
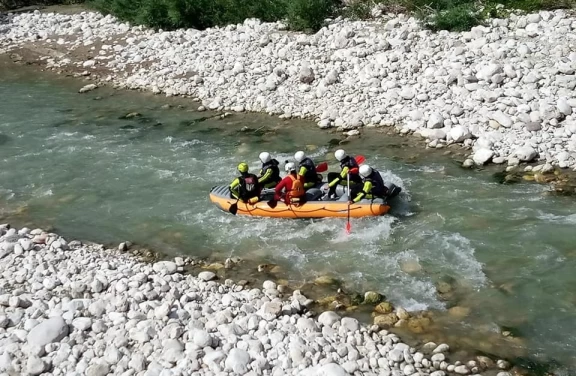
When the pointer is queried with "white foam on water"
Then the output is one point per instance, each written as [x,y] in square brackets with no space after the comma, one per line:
[454,251]
[563,219]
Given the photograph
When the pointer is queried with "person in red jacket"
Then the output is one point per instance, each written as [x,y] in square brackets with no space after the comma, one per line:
[291,188]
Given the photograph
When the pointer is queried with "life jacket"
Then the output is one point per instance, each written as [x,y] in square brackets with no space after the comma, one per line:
[378,187]
[249,186]
[273,165]
[311,174]
[351,163]
[297,190]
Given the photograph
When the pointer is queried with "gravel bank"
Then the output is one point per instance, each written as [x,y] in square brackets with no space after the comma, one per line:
[68,308]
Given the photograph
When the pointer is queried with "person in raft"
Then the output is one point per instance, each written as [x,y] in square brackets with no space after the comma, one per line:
[291,187]
[246,186]
[270,172]
[306,170]
[373,185]
[346,164]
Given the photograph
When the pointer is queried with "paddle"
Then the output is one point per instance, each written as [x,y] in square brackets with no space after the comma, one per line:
[359,159]
[272,203]
[322,167]
[348,226]
[234,207]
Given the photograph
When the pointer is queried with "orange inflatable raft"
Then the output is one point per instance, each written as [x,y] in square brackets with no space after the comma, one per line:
[313,208]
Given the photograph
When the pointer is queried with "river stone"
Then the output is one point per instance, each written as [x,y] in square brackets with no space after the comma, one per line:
[202,339]
[525,153]
[98,369]
[372,297]
[165,267]
[384,308]
[207,276]
[564,107]
[442,348]
[409,370]
[237,361]
[461,370]
[82,323]
[330,369]
[482,156]
[436,120]
[35,365]
[396,355]
[386,321]
[350,324]
[88,88]
[328,318]
[49,331]
[270,310]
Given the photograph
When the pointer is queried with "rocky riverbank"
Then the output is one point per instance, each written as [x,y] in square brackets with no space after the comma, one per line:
[504,90]
[72,308]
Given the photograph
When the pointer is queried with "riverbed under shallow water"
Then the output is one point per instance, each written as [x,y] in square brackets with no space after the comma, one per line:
[71,161]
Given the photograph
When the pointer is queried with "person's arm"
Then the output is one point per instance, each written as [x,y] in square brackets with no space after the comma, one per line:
[366,189]
[342,175]
[302,172]
[278,190]
[234,187]
[267,175]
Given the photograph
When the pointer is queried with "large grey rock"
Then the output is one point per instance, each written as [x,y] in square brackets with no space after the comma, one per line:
[49,331]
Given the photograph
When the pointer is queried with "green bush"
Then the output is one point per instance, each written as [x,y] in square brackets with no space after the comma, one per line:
[309,14]
[202,14]
[459,18]
[359,10]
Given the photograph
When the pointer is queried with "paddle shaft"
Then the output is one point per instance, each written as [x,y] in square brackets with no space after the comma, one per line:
[348,226]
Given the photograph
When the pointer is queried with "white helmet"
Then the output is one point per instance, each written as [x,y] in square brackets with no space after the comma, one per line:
[265,157]
[365,170]
[290,167]
[299,156]
[339,154]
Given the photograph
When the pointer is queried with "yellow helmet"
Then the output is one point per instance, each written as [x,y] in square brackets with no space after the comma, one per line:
[243,167]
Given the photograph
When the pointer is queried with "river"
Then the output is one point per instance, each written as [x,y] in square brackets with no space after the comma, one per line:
[72,162]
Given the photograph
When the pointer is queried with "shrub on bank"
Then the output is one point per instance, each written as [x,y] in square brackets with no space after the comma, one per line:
[202,14]
[453,15]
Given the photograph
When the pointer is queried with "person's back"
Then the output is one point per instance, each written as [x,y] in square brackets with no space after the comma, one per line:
[291,187]
[245,187]
[347,164]
[270,172]
[306,170]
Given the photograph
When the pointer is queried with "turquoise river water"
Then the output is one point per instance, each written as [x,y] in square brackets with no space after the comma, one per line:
[69,161]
